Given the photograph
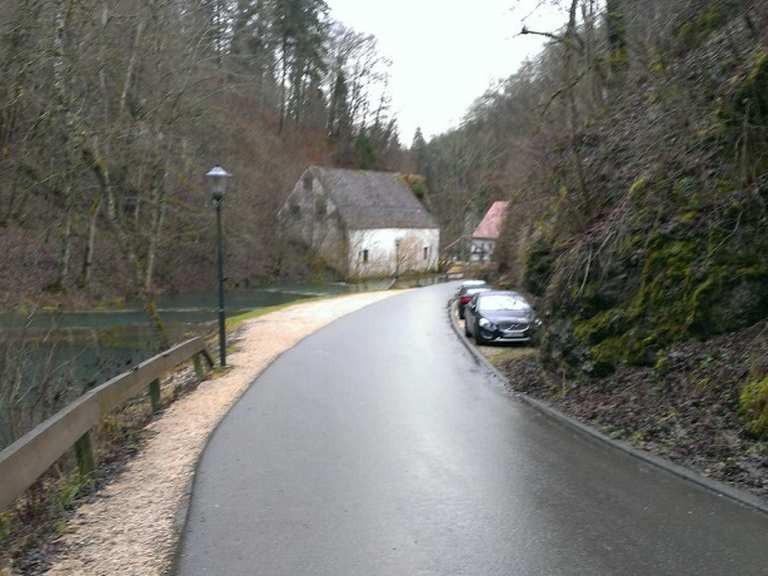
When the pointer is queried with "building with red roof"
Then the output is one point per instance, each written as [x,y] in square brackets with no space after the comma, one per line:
[486,235]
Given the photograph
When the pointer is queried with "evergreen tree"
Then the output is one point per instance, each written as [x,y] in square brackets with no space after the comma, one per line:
[617,35]
[303,32]
[419,153]
[365,154]
[338,111]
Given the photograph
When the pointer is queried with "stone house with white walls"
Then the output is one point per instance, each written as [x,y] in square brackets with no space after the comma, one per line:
[364,224]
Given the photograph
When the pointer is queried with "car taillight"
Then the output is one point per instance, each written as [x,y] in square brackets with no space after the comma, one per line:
[466,299]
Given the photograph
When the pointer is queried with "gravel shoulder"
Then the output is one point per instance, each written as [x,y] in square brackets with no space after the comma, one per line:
[131,526]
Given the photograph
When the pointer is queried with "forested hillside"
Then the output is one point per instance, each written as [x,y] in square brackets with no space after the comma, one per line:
[112,111]
[634,152]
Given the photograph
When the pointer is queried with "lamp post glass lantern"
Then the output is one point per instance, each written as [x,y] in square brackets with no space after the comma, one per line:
[218,181]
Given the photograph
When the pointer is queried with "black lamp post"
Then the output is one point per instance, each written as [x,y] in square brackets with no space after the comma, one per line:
[218,180]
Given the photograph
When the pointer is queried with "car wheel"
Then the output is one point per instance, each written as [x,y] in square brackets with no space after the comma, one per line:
[479,340]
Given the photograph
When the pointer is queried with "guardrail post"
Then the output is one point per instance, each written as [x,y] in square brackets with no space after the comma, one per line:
[199,372]
[208,358]
[84,456]
[154,394]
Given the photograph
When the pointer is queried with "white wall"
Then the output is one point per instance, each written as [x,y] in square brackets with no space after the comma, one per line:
[384,256]
[481,250]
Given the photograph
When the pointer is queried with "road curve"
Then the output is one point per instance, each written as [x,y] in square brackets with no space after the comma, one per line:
[378,447]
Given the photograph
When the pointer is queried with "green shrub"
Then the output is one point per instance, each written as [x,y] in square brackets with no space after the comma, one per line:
[418,185]
[5,525]
[745,108]
[753,405]
[638,187]
[67,492]
[695,32]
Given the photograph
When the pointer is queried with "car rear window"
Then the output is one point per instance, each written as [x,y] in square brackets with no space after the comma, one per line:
[502,302]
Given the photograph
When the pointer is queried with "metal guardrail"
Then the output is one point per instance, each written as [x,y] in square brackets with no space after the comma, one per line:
[24,461]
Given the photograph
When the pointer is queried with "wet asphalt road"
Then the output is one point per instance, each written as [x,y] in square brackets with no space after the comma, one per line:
[378,447]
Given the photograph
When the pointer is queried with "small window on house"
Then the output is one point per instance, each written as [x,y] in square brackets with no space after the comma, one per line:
[364,256]
[308,182]
[426,252]
[296,211]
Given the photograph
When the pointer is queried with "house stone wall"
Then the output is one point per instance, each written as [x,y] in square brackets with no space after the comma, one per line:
[311,217]
[384,258]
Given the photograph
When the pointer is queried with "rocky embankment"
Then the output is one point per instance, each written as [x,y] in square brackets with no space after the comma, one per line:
[688,408]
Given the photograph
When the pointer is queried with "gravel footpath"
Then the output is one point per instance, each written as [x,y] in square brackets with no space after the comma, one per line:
[131,526]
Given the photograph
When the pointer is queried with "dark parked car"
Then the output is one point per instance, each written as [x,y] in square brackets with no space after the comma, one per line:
[496,316]
[466,292]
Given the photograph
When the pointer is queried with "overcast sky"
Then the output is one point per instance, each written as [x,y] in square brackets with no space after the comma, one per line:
[445,53]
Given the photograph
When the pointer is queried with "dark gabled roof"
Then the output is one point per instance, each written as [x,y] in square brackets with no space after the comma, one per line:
[369,200]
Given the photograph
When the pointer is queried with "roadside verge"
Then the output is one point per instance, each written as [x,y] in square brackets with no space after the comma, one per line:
[719,488]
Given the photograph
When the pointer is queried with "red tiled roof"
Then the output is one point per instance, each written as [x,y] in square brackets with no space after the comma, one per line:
[491,225]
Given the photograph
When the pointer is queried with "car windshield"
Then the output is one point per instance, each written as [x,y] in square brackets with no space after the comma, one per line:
[502,302]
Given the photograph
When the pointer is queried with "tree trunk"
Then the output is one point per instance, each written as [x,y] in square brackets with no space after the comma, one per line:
[94,159]
[283,95]
[131,66]
[154,238]
[66,241]
[573,113]
[90,247]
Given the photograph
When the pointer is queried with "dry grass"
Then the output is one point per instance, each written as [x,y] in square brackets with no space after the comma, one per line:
[503,354]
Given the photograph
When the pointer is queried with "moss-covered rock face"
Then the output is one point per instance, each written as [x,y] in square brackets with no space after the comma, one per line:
[692,33]
[685,277]
[538,266]
[748,104]
[680,281]
[687,257]
[753,405]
